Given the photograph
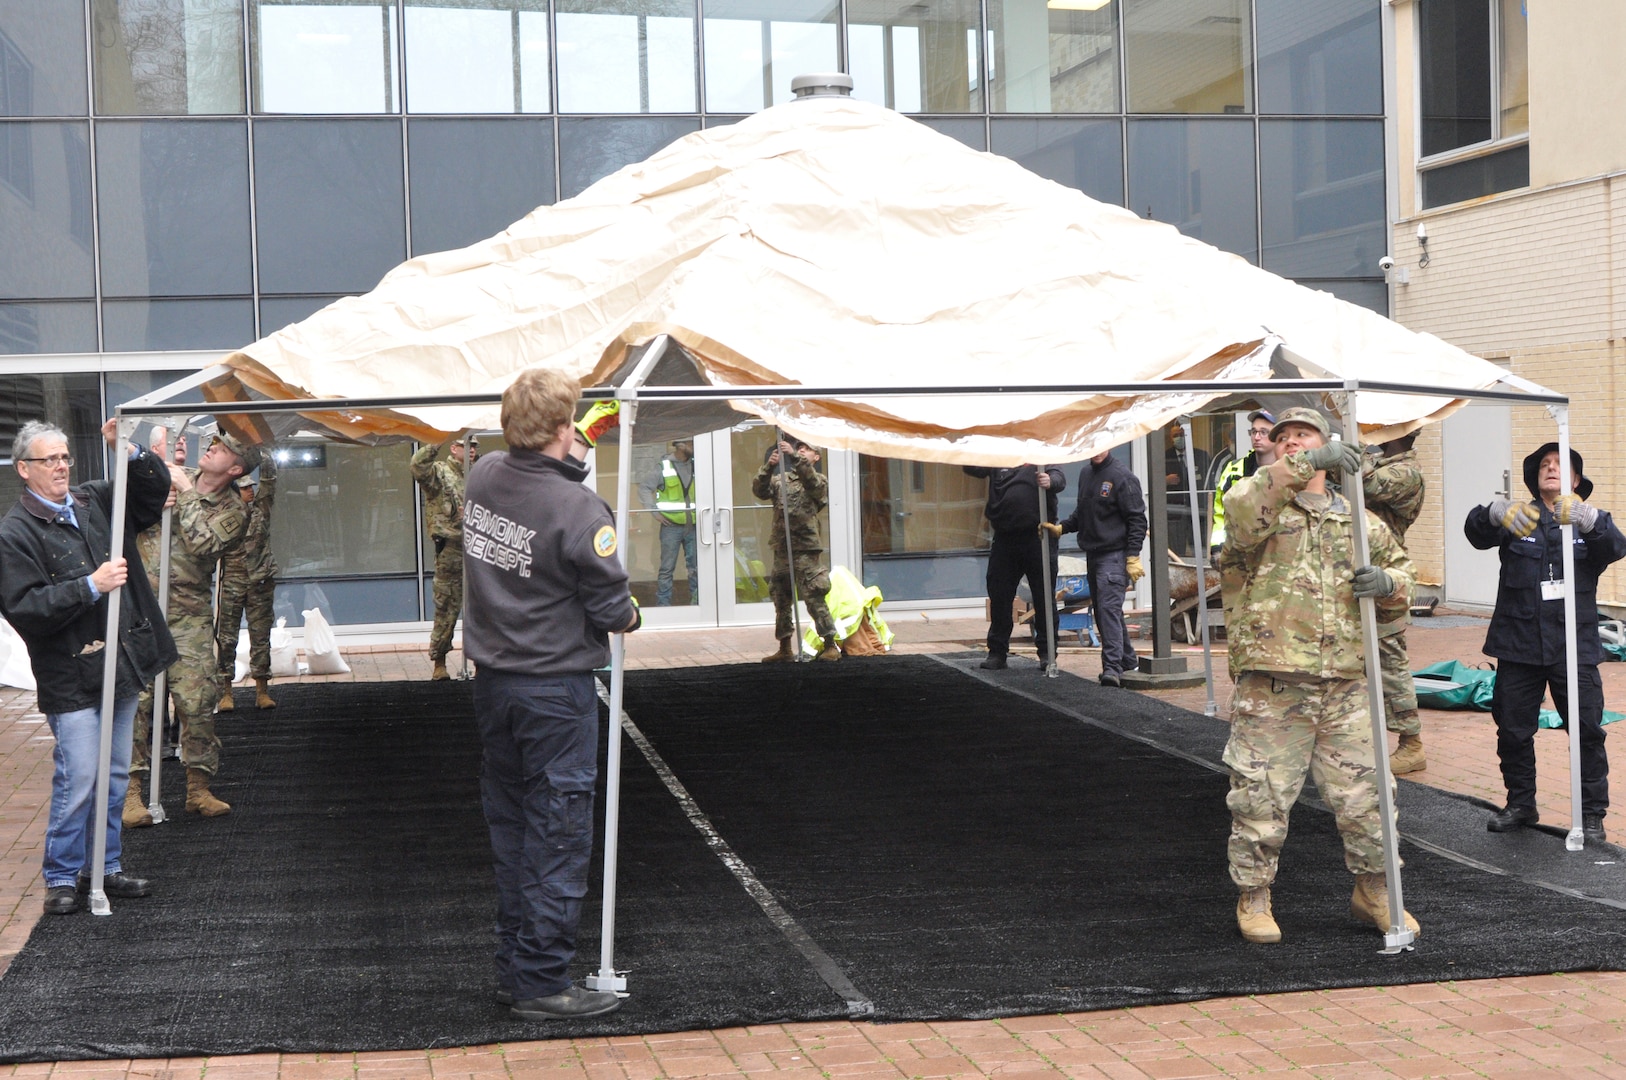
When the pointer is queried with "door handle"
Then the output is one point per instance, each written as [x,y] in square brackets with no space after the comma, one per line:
[1507,483]
[703,532]
[729,512]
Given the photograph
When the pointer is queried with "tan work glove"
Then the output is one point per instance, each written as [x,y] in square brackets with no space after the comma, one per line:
[1136,570]
[1518,518]
[1570,510]
[1050,527]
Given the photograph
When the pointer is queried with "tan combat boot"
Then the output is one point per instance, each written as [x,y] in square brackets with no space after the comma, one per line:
[831,650]
[1408,756]
[1254,919]
[136,814]
[199,799]
[1370,903]
[226,704]
[785,653]
[262,694]
[440,674]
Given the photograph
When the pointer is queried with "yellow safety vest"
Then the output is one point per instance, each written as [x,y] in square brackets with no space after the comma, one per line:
[674,501]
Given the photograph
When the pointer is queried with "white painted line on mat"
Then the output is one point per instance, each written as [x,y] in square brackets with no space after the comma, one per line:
[827,968]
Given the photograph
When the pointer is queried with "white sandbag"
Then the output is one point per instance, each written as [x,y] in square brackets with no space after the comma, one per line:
[14,669]
[284,653]
[321,650]
[241,671]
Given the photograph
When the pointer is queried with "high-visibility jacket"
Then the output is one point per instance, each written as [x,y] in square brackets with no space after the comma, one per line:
[1234,470]
[674,500]
[849,600]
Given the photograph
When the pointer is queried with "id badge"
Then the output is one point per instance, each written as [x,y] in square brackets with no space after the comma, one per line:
[1552,590]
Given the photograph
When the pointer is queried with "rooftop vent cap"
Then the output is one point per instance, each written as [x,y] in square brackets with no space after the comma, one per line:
[826,84]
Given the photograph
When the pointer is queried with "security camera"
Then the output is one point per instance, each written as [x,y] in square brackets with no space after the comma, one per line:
[1386,264]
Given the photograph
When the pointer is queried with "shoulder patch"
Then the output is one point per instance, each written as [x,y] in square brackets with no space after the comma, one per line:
[604,541]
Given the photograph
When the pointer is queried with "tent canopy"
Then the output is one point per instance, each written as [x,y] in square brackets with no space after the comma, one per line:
[828,242]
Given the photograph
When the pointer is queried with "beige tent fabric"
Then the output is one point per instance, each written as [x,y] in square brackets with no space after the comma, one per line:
[833,243]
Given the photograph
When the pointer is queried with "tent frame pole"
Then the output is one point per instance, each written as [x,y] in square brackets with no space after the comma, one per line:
[607,978]
[790,551]
[1575,839]
[159,720]
[1050,649]
[1398,938]
[468,465]
[1199,557]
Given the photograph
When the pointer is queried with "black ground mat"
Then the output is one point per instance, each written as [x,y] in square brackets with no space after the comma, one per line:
[965,852]
[346,904]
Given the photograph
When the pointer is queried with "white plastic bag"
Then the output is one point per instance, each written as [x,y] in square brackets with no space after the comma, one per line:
[284,653]
[14,668]
[243,654]
[321,651]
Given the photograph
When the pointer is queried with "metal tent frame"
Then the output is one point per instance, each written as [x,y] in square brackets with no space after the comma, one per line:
[632,390]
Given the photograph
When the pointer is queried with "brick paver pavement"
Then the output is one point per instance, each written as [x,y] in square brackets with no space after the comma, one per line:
[1567,1025]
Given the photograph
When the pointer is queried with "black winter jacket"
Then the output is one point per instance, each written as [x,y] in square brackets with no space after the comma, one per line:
[1013,496]
[1525,628]
[45,568]
[1111,512]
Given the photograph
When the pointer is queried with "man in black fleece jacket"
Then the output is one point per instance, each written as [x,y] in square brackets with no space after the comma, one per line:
[543,591]
[1013,511]
[1110,521]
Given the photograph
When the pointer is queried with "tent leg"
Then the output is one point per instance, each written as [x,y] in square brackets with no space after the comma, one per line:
[1199,556]
[1575,839]
[1047,657]
[1397,938]
[468,463]
[160,684]
[790,555]
[110,673]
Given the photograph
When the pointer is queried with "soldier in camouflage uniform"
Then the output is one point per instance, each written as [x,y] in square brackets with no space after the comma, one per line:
[1293,618]
[802,489]
[248,579]
[1394,492]
[208,520]
[442,483]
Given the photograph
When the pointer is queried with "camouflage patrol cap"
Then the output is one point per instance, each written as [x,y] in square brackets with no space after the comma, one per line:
[1308,417]
[247,453]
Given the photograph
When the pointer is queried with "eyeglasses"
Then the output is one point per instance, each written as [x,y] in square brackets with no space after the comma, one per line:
[53,461]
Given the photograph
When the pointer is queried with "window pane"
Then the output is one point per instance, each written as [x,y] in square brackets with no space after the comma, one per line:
[1371,294]
[970,132]
[170,57]
[473,178]
[1322,186]
[156,325]
[1320,56]
[174,208]
[1054,58]
[45,211]
[627,56]
[333,57]
[1454,70]
[590,150]
[477,56]
[1486,175]
[923,528]
[917,55]
[1083,154]
[1188,58]
[371,600]
[1197,175]
[48,328]
[277,312]
[42,59]
[1514,86]
[332,212]
[755,47]
[344,510]
[123,386]
[71,402]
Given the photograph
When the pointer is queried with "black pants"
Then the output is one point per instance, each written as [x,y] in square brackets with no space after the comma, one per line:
[1108,575]
[1013,556]
[1516,703]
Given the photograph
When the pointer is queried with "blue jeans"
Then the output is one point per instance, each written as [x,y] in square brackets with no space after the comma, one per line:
[673,537]
[538,769]
[68,839]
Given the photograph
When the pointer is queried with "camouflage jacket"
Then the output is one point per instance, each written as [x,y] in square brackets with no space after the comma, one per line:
[804,490]
[1286,569]
[442,483]
[202,528]
[252,559]
[1394,490]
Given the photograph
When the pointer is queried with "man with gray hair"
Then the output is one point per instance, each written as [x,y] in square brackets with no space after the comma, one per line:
[56,574]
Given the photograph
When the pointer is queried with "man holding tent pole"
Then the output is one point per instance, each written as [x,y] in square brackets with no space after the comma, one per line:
[1018,547]
[545,591]
[1292,611]
[1526,634]
[442,483]
[798,491]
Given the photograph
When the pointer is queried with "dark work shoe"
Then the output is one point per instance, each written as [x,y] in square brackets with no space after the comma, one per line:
[61,900]
[505,997]
[120,886]
[1111,678]
[1514,817]
[995,662]
[1592,828]
[568,1004]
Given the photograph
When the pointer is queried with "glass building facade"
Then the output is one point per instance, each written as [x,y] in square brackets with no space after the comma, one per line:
[183,176]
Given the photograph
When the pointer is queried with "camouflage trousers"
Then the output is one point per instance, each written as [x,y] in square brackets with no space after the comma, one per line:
[448,595]
[1399,692]
[1279,732]
[194,689]
[812,584]
[258,598]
